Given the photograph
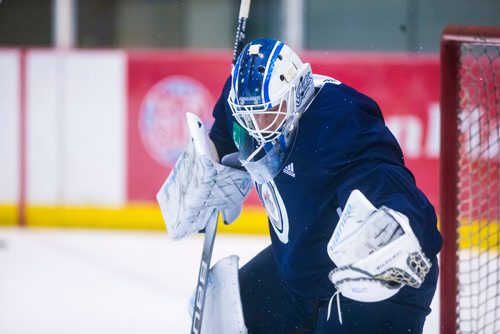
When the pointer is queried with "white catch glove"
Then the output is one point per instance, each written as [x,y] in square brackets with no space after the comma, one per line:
[199,184]
[375,251]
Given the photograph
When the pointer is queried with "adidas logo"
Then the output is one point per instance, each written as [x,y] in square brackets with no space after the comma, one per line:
[289,170]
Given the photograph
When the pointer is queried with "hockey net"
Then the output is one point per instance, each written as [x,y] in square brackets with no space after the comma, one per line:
[470,180]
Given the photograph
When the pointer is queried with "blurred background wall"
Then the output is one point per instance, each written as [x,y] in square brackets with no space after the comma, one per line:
[363,25]
[93,93]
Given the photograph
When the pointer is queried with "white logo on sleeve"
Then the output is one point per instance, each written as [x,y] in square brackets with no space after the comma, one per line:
[275,208]
[289,170]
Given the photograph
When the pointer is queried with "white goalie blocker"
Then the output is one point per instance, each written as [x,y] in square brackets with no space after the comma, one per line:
[375,251]
[199,184]
[223,309]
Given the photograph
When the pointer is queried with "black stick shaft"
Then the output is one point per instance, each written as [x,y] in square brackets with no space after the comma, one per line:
[201,287]
[211,228]
[241,28]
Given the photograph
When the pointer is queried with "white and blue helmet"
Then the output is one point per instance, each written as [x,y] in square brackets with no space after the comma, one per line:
[269,75]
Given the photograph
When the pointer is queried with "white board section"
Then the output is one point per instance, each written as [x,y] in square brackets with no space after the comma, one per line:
[43,127]
[77,125]
[9,125]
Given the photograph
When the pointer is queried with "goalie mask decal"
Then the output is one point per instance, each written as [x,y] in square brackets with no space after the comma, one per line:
[275,208]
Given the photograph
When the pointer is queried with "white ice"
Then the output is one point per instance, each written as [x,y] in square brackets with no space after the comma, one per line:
[71,281]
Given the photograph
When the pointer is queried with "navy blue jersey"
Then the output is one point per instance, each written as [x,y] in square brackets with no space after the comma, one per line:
[342,144]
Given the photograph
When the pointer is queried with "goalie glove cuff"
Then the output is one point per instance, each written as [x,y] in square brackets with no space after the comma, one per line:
[382,274]
[358,285]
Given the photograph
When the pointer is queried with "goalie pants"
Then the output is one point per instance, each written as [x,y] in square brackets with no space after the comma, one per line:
[270,307]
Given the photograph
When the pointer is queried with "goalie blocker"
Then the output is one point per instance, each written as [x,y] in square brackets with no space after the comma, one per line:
[199,184]
[375,251]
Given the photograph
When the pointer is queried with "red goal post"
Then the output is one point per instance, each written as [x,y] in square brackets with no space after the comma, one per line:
[470,180]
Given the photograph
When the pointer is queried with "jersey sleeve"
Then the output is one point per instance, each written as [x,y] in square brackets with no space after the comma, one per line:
[366,156]
[221,131]
[394,187]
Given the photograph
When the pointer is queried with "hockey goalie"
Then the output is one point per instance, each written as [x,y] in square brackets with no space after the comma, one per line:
[353,240]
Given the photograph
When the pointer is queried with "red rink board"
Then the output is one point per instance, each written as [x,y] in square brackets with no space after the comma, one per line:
[163,85]
[146,172]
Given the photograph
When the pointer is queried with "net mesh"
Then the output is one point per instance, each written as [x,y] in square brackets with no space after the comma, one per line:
[479,189]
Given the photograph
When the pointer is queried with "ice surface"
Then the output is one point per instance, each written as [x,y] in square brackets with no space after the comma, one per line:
[96,281]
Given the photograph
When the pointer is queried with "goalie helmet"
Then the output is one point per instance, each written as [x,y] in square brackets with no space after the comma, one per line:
[270,89]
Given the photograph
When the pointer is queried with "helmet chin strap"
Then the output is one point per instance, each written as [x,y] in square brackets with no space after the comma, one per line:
[262,145]
[254,153]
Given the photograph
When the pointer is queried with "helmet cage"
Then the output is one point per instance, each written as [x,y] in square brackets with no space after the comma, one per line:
[277,114]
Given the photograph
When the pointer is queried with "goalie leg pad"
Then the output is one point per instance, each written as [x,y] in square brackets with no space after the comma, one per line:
[223,312]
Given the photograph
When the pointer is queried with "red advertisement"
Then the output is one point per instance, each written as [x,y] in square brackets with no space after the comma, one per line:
[163,86]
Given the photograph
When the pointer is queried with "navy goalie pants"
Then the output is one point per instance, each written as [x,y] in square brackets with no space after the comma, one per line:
[270,307]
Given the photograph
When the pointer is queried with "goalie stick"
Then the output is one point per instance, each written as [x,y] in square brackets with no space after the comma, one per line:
[241,28]
[211,227]
[201,287]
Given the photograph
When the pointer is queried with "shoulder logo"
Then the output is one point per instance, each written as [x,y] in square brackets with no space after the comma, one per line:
[289,170]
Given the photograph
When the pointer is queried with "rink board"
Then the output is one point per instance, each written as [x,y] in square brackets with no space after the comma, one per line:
[87,137]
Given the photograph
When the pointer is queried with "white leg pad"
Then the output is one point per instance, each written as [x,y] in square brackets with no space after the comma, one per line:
[223,312]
